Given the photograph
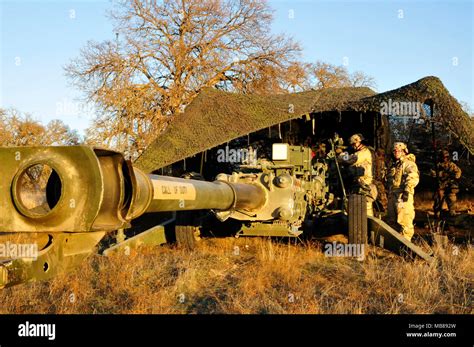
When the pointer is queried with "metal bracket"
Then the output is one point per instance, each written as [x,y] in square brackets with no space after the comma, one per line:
[154,236]
[64,252]
[383,235]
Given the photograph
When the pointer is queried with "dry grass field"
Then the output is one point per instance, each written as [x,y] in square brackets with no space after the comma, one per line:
[255,275]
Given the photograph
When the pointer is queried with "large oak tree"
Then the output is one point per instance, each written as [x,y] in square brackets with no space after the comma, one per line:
[166,52]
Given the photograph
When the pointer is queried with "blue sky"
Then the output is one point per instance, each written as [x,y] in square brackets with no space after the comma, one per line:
[38,38]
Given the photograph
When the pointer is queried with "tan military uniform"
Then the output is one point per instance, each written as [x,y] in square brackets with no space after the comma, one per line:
[448,176]
[403,176]
[360,169]
[380,179]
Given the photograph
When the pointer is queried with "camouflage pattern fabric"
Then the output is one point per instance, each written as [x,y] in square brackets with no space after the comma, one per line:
[448,175]
[403,177]
[360,170]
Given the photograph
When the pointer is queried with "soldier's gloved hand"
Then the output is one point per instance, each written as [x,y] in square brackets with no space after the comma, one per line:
[405,196]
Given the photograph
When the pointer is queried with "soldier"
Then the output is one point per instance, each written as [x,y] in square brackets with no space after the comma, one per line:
[402,179]
[333,176]
[447,175]
[381,177]
[320,151]
[360,170]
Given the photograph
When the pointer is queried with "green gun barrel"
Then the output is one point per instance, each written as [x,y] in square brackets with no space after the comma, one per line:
[179,194]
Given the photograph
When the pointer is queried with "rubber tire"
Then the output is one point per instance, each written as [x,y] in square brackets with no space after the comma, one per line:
[187,236]
[186,230]
[357,215]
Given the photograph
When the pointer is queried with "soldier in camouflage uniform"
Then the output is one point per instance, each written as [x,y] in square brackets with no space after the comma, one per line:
[447,175]
[360,169]
[381,177]
[403,177]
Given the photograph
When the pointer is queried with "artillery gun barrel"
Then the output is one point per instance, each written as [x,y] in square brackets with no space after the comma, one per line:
[163,193]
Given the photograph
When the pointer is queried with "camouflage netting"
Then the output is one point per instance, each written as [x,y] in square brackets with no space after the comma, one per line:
[430,90]
[216,117]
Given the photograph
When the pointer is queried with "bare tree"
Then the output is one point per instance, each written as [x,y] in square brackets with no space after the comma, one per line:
[466,107]
[332,76]
[166,52]
[360,79]
[263,78]
[17,129]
